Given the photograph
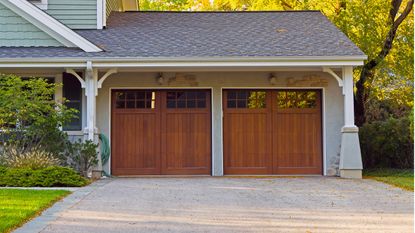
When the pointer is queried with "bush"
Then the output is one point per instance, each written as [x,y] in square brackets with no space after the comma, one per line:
[47,177]
[388,144]
[32,158]
[82,156]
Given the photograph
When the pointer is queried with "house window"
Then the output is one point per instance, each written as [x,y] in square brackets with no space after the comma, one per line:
[297,99]
[246,99]
[72,92]
[42,4]
[186,99]
[135,99]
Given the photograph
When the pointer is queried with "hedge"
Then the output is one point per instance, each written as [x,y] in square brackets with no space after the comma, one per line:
[47,177]
[388,144]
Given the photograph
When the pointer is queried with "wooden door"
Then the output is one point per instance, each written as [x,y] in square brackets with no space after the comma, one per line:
[247,132]
[186,132]
[297,144]
[135,133]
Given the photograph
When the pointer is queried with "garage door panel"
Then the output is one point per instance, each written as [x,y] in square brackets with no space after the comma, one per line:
[272,132]
[247,146]
[297,132]
[161,132]
[135,153]
[187,132]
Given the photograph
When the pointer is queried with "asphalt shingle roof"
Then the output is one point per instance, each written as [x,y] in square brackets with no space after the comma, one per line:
[206,34]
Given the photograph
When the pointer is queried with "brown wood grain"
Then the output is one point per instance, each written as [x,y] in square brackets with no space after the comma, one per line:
[161,140]
[272,140]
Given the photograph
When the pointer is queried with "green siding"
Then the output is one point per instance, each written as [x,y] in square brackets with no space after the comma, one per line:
[113,5]
[76,14]
[16,31]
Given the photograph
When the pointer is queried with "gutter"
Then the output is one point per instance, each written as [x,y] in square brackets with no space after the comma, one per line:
[183,62]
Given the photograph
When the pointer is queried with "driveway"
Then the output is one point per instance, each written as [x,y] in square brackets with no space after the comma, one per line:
[312,204]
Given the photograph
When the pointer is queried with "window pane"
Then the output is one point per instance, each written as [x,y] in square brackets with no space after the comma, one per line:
[231,103]
[246,99]
[72,92]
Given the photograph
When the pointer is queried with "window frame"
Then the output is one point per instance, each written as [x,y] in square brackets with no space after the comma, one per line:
[42,4]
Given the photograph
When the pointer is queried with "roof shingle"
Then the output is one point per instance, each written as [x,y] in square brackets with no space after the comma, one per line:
[207,34]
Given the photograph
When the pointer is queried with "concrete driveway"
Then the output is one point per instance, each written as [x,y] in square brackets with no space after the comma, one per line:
[312,204]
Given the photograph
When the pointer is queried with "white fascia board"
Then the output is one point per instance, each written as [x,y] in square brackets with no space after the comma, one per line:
[179,63]
[49,25]
[192,61]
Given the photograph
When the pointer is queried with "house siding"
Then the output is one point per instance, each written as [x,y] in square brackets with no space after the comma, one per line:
[76,14]
[16,31]
[113,5]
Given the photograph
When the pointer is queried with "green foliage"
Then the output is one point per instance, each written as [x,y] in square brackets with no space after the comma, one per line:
[29,117]
[387,144]
[82,156]
[403,178]
[46,177]
[33,158]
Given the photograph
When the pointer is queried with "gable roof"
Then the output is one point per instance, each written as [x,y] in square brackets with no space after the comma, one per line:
[49,25]
[209,35]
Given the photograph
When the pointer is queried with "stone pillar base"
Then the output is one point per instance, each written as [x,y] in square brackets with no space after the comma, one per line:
[350,156]
[351,174]
[96,174]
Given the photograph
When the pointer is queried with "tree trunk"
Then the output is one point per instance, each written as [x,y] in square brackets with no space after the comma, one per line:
[367,72]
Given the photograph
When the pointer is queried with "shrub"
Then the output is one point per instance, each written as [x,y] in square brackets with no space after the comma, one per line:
[33,158]
[46,177]
[387,144]
[82,156]
[29,117]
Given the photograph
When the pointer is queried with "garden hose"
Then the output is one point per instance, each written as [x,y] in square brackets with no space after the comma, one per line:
[105,150]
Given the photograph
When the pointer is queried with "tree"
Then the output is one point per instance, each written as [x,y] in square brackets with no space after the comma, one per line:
[368,70]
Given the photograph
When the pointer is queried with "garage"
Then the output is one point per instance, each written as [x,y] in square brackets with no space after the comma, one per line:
[272,131]
[161,132]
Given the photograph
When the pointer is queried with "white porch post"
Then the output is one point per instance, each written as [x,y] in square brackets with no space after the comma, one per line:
[350,155]
[91,80]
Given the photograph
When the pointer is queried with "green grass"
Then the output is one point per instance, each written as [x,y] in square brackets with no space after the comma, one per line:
[402,178]
[17,206]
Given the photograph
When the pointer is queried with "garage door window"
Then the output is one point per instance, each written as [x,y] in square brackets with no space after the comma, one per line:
[297,99]
[186,99]
[246,99]
[135,99]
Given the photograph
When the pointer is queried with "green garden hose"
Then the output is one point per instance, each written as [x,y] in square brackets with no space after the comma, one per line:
[105,150]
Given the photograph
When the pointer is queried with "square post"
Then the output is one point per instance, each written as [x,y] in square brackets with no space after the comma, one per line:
[91,78]
[350,155]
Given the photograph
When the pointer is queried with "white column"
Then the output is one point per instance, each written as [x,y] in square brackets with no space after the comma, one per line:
[91,92]
[348,97]
[350,156]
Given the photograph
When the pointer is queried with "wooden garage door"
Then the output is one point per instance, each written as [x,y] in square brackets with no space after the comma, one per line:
[161,132]
[272,132]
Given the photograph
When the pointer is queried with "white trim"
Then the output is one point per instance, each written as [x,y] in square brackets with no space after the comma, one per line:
[105,76]
[43,4]
[100,14]
[196,65]
[331,72]
[323,113]
[323,109]
[358,60]
[49,25]
[157,88]
[348,97]
[81,80]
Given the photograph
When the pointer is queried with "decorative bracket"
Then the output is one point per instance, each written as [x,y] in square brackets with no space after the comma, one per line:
[81,80]
[332,73]
[105,76]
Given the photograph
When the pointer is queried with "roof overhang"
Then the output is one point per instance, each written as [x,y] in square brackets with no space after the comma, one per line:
[49,25]
[187,62]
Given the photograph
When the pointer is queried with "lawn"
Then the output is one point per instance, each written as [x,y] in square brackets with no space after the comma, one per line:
[18,206]
[403,178]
